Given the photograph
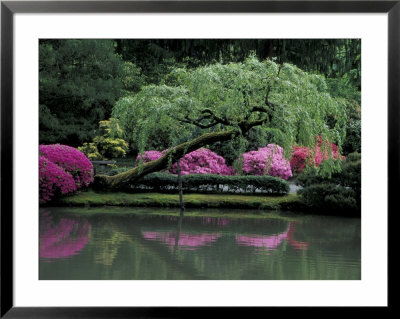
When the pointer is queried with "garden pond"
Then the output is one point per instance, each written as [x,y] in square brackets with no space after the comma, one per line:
[144,243]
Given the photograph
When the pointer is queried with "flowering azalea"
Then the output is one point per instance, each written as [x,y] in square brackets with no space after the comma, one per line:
[203,161]
[62,170]
[268,160]
[303,155]
[200,161]
[149,156]
[71,160]
[53,180]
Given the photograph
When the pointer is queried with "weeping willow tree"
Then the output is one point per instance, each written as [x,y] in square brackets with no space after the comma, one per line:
[220,102]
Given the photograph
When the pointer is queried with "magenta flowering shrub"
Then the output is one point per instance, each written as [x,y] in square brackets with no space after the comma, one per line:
[149,156]
[62,170]
[268,160]
[202,161]
[53,180]
[71,160]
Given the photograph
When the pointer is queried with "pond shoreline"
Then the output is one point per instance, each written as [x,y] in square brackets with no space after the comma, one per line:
[91,198]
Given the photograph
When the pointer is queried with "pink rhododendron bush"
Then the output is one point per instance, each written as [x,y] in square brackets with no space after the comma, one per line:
[149,156]
[267,160]
[53,180]
[62,170]
[302,155]
[200,161]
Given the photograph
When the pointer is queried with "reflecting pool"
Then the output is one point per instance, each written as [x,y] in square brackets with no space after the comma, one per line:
[137,243]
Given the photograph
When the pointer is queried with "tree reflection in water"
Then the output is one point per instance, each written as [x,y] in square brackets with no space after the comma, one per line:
[184,241]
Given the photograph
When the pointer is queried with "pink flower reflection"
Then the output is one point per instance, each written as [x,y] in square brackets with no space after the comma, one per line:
[184,240]
[63,240]
[298,245]
[272,242]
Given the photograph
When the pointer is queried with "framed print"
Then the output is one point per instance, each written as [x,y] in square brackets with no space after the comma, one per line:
[196,154]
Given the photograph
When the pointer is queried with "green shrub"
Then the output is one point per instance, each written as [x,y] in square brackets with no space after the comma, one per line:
[352,142]
[203,183]
[91,151]
[117,170]
[108,144]
[330,198]
[340,192]
[353,157]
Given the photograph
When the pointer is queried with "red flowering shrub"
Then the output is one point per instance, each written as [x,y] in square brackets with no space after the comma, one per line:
[71,160]
[302,155]
[53,180]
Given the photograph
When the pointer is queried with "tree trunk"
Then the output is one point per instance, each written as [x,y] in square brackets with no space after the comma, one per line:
[110,182]
[181,203]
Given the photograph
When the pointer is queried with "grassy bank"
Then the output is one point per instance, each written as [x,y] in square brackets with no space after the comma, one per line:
[91,198]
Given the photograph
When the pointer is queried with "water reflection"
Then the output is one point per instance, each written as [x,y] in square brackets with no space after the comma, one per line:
[116,243]
[61,239]
[183,240]
[272,242]
[109,244]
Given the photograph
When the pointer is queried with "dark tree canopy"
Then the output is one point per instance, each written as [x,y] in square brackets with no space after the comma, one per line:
[80,80]
[331,57]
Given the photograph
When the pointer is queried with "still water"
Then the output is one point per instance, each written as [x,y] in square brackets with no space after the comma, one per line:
[133,243]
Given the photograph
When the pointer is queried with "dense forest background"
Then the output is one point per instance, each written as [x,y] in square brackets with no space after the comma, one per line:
[81,80]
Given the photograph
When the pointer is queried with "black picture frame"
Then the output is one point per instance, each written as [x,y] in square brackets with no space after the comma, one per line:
[9,8]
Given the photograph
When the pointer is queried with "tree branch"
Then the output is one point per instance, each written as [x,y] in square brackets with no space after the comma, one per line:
[216,118]
[110,182]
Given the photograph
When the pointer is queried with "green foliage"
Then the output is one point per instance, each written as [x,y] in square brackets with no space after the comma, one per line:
[136,121]
[353,157]
[200,183]
[345,87]
[108,144]
[111,147]
[329,198]
[133,79]
[349,175]
[79,82]
[294,104]
[91,151]
[340,192]
[352,142]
